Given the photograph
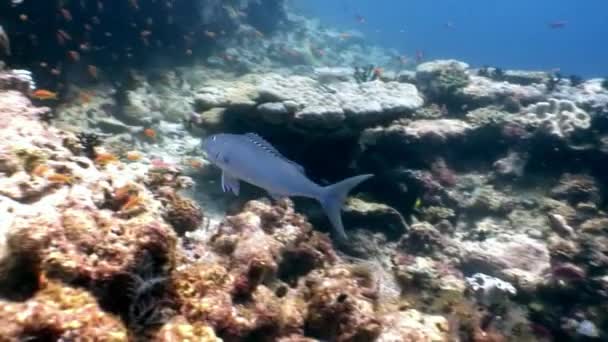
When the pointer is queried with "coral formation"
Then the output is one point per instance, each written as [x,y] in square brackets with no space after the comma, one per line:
[485,220]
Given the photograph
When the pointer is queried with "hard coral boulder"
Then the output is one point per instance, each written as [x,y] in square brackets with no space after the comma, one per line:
[576,189]
[441,78]
[413,326]
[559,118]
[58,312]
[301,102]
[514,258]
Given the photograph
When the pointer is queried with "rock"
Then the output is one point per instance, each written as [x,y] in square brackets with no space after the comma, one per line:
[274,112]
[308,103]
[525,77]
[434,131]
[233,94]
[516,258]
[512,165]
[335,74]
[422,238]
[576,188]
[212,119]
[413,325]
[482,91]
[141,108]
[374,216]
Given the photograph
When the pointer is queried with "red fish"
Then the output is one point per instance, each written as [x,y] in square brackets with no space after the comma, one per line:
[419,56]
[558,24]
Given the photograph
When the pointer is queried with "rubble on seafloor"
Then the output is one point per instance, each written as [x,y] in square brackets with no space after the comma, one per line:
[485,220]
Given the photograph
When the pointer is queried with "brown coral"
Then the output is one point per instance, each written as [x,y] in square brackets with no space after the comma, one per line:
[181,212]
[58,312]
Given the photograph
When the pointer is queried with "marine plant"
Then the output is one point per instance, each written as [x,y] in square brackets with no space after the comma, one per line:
[498,74]
[89,141]
[366,74]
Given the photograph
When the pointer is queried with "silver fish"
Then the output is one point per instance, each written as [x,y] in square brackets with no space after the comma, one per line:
[250,158]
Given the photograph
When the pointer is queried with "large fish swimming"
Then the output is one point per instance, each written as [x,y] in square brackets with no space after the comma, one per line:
[250,158]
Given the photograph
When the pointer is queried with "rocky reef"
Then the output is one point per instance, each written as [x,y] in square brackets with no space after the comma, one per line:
[485,220]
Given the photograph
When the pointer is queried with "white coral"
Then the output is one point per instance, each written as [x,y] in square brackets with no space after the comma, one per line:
[489,290]
[561,118]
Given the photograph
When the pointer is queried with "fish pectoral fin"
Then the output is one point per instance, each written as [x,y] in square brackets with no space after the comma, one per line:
[230,183]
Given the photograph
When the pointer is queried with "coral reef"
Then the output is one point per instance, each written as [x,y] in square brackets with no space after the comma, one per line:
[485,220]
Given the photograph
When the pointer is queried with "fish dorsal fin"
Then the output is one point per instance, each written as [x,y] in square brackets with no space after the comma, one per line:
[266,146]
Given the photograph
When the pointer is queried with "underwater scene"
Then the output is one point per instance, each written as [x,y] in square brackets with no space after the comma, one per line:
[303,170]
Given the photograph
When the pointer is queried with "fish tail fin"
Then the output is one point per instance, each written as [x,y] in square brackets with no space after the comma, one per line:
[332,199]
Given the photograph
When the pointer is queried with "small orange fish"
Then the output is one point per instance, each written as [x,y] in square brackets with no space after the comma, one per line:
[194,163]
[188,52]
[40,170]
[74,55]
[132,202]
[59,178]
[345,36]
[56,71]
[259,34]
[105,158]
[210,34]
[150,133]
[93,72]
[23,17]
[44,95]
[145,33]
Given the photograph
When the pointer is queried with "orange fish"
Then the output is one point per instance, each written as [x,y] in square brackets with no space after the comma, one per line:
[133,156]
[74,55]
[44,95]
[23,17]
[60,178]
[150,133]
[194,163]
[66,14]
[210,34]
[345,36]
[93,72]
[40,170]
[105,158]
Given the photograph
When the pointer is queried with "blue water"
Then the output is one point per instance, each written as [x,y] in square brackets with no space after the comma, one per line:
[504,33]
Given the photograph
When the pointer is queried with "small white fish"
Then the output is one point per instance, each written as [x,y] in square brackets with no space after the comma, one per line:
[250,158]
[5,43]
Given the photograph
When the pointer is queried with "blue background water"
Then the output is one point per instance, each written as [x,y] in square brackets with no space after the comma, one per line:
[505,33]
